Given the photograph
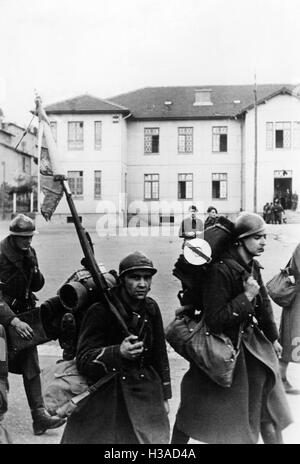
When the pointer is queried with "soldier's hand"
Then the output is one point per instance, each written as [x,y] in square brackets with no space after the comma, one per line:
[251,288]
[31,258]
[131,348]
[22,328]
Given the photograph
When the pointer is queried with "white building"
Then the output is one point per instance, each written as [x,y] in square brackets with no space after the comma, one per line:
[18,168]
[155,147]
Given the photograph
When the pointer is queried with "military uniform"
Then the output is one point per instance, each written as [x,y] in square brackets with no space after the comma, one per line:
[20,276]
[129,408]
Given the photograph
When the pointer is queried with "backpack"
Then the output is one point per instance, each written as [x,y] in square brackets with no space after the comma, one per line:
[214,241]
[64,387]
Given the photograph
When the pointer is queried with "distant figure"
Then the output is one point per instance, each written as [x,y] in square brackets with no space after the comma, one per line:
[270,214]
[191,226]
[265,209]
[294,200]
[278,211]
[212,217]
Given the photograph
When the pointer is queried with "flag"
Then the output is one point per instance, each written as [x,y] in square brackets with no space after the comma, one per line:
[52,189]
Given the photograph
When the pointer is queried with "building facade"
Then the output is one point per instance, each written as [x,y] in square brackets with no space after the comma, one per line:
[18,169]
[150,153]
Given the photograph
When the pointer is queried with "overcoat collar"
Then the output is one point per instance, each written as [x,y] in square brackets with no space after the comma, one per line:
[10,252]
[249,267]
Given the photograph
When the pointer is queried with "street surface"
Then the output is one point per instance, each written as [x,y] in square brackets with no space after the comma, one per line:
[59,256]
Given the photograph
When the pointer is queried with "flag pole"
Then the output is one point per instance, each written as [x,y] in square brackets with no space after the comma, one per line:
[39,152]
[255,146]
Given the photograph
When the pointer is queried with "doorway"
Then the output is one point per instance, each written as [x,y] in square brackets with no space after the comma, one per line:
[283,191]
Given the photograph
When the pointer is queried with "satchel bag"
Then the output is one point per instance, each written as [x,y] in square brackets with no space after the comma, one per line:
[212,353]
[16,343]
[64,387]
[282,288]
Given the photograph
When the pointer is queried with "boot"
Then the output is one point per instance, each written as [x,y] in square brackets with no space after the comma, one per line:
[42,421]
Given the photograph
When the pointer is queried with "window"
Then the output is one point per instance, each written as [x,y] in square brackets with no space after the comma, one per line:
[25,162]
[185,140]
[202,97]
[97,184]
[219,186]
[53,125]
[269,136]
[219,142]
[98,135]
[75,179]
[75,135]
[151,186]
[283,135]
[185,186]
[296,134]
[151,140]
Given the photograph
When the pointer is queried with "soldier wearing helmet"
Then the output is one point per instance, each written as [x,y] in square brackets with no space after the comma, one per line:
[133,407]
[236,303]
[21,277]
[250,231]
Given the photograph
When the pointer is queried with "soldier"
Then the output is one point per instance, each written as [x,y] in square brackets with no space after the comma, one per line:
[21,276]
[236,303]
[131,407]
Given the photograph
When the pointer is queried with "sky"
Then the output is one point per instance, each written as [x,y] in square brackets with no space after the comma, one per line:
[65,48]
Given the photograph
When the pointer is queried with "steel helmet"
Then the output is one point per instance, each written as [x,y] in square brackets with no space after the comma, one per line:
[248,224]
[135,261]
[23,226]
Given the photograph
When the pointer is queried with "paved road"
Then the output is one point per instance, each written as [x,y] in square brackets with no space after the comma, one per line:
[18,419]
[59,255]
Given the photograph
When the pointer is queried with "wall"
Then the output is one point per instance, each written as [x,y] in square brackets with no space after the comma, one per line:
[201,163]
[279,108]
[109,160]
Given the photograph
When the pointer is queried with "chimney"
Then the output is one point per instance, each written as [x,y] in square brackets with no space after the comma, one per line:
[202,97]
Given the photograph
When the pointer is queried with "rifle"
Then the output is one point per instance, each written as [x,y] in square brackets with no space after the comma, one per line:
[89,261]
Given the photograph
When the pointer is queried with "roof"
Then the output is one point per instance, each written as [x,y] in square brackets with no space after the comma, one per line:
[6,132]
[84,104]
[3,144]
[228,101]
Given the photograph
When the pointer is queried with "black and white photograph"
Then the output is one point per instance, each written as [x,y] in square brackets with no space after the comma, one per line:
[149,224]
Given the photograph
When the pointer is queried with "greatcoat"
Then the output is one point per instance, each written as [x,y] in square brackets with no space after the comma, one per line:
[129,408]
[290,318]
[213,414]
[21,277]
